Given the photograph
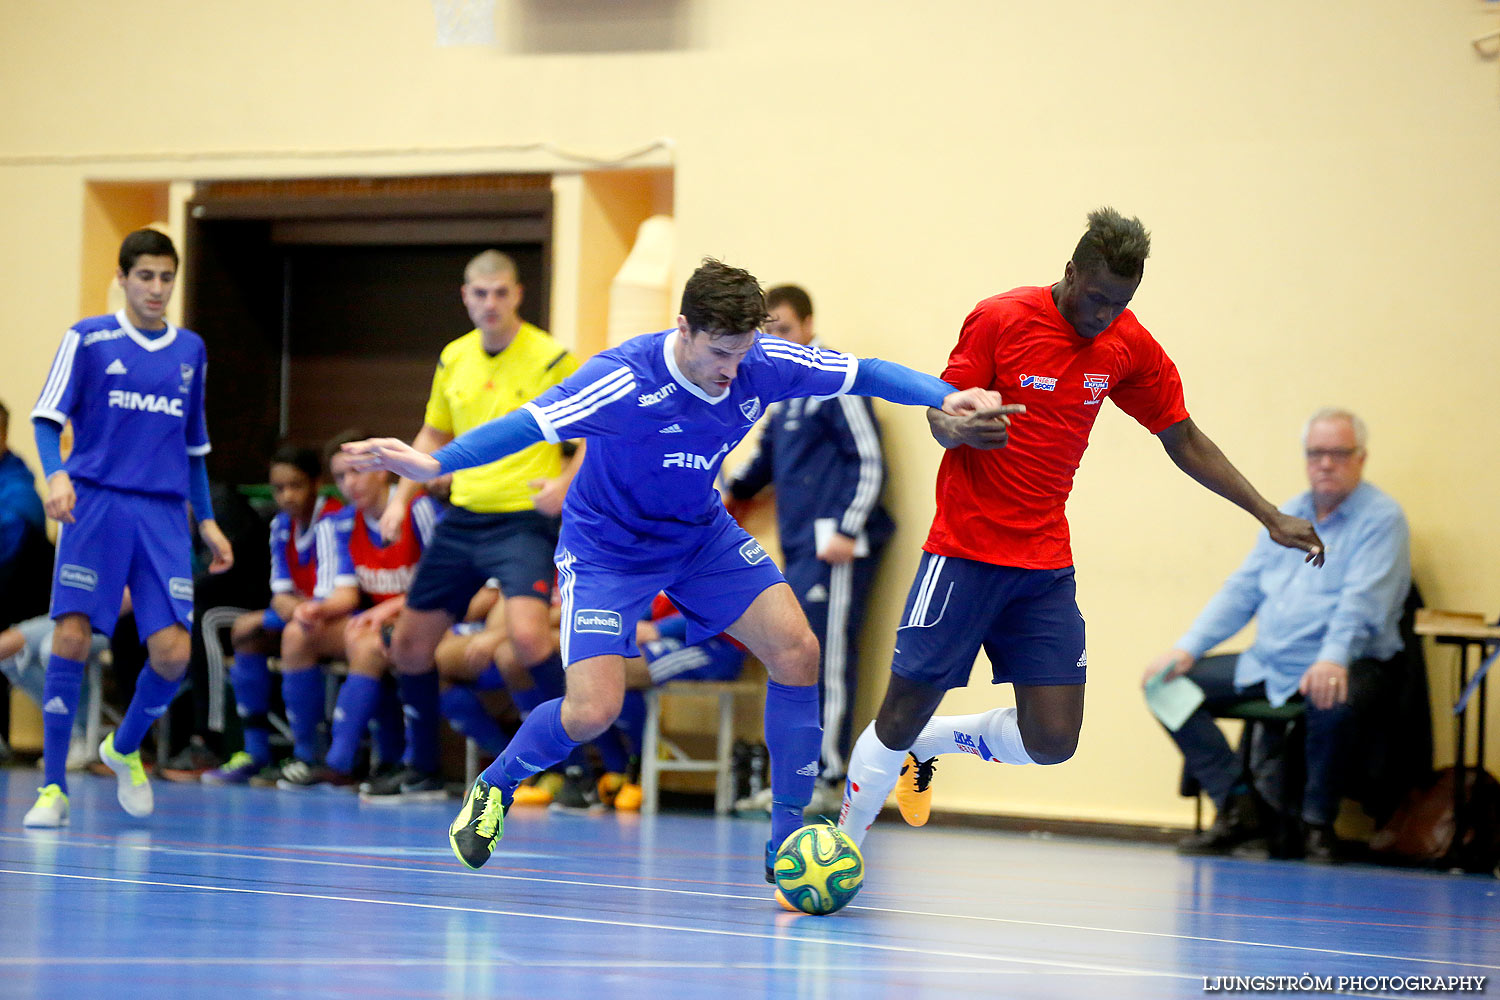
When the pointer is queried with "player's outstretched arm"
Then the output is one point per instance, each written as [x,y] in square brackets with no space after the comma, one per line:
[429,439]
[484,444]
[1192,452]
[393,455]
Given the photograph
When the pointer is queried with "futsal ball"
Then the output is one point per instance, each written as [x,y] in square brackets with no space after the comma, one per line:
[819,869]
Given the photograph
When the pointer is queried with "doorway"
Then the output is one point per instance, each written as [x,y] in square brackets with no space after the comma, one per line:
[324,304]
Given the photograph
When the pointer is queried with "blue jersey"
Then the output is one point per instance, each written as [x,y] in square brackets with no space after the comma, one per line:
[294,554]
[645,494]
[136,403]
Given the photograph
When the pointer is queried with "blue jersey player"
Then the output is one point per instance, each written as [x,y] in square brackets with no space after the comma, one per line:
[131,384]
[659,413]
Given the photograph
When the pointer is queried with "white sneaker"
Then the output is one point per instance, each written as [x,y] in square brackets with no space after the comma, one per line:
[133,788]
[826,800]
[759,802]
[80,753]
[50,811]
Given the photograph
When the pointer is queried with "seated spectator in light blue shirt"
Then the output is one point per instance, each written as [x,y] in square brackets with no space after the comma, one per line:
[1314,626]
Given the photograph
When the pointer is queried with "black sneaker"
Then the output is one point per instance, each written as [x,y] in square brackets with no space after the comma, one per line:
[478,824]
[299,775]
[382,774]
[405,785]
[771,862]
[579,793]
[189,764]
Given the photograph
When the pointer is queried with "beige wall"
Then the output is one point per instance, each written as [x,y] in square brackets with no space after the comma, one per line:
[1319,179]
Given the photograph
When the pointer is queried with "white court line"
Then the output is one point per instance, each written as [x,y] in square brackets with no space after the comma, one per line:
[607,965]
[896,911]
[634,925]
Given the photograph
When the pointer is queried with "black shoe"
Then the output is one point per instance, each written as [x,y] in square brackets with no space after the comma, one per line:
[190,762]
[299,775]
[382,775]
[1237,822]
[579,793]
[1320,846]
[403,786]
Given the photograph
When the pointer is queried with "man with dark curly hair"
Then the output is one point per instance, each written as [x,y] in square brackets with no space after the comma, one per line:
[997,567]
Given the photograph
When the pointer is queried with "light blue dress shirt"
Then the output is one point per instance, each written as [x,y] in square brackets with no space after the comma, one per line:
[1348,609]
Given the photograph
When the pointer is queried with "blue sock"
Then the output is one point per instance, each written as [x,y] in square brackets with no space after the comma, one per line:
[390,725]
[540,743]
[794,736]
[548,682]
[153,694]
[61,689]
[550,677]
[419,697]
[490,680]
[302,690]
[351,717]
[250,677]
[466,713]
[612,753]
[632,722]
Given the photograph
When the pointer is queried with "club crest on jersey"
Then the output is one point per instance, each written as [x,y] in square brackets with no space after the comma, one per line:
[186,371]
[652,398]
[81,577]
[147,402]
[1096,384]
[751,407]
[595,620]
[1038,382]
[752,552]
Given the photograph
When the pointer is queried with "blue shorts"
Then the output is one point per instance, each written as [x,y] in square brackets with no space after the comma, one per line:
[121,539]
[469,548]
[1027,620]
[712,589]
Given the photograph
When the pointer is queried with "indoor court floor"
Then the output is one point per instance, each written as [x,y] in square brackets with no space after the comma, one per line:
[248,892]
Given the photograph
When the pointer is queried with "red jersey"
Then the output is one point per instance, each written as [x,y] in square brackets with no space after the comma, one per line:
[1006,506]
[385,571]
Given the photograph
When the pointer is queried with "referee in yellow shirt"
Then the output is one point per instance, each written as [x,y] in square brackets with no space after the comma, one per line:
[504,520]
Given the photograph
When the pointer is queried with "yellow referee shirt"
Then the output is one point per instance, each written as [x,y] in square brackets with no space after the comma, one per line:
[471,388]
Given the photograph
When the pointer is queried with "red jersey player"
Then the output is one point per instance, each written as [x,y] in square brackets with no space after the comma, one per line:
[997,569]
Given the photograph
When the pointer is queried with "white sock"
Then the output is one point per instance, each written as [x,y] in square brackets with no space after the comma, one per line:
[873,770]
[992,735]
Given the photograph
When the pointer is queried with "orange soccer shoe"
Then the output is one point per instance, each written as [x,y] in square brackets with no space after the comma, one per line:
[914,789]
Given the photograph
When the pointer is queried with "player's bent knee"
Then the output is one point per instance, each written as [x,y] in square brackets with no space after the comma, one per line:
[588,719]
[795,664]
[409,654]
[172,670]
[1050,748]
[531,647]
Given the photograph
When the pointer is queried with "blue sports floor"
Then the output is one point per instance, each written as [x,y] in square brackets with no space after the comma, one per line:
[248,892]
